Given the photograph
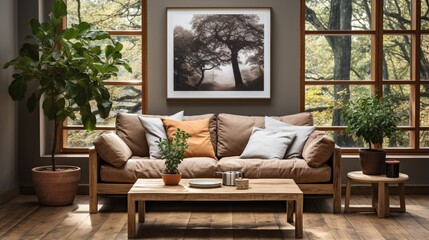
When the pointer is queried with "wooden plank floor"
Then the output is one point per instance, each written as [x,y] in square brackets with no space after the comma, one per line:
[24,218]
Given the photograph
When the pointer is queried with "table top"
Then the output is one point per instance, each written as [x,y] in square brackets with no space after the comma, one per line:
[259,189]
[359,176]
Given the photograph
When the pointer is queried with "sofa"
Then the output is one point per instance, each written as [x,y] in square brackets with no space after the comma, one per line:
[229,134]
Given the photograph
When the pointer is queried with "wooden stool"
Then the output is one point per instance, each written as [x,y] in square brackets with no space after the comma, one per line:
[380,193]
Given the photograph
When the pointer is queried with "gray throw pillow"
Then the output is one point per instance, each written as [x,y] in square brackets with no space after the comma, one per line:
[267,144]
[302,133]
[155,131]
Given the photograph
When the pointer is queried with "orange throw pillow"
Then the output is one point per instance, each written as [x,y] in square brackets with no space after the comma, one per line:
[199,144]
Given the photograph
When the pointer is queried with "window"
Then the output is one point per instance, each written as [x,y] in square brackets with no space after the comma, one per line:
[125,20]
[353,47]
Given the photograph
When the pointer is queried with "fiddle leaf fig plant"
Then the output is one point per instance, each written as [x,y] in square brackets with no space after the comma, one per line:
[371,118]
[173,151]
[65,69]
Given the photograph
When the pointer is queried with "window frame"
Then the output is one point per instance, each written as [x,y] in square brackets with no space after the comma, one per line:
[377,32]
[62,136]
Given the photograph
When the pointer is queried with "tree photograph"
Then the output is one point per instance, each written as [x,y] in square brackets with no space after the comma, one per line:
[218,51]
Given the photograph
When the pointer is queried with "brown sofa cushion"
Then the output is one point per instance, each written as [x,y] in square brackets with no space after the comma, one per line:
[199,144]
[129,129]
[138,167]
[319,150]
[234,130]
[294,168]
[112,149]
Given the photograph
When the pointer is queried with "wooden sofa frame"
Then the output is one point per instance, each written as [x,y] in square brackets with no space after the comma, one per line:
[97,187]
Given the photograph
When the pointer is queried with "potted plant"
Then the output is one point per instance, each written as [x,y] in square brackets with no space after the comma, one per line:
[64,69]
[373,119]
[173,152]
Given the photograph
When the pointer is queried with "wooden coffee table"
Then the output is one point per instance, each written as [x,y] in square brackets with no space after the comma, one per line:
[260,190]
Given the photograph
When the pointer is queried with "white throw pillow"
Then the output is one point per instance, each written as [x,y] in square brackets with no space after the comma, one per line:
[155,131]
[302,133]
[267,144]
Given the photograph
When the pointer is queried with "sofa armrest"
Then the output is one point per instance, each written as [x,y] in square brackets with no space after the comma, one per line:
[336,178]
[93,179]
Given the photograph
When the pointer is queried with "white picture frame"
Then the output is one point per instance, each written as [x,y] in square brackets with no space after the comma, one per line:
[200,57]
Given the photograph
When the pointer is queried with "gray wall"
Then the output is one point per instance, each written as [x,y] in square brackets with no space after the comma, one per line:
[284,59]
[8,109]
[285,84]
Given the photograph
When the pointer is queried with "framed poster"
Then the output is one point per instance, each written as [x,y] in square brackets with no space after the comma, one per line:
[218,53]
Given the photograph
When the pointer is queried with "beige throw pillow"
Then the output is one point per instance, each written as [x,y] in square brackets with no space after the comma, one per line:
[112,149]
[319,151]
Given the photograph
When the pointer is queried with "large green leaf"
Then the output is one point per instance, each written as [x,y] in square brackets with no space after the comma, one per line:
[108,50]
[83,26]
[32,102]
[49,107]
[88,118]
[60,9]
[35,26]
[71,33]
[17,89]
[104,107]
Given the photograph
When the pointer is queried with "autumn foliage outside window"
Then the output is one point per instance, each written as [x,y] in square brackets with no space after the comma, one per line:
[352,47]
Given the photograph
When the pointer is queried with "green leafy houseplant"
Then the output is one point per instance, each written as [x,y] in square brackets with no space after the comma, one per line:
[173,151]
[371,118]
[67,67]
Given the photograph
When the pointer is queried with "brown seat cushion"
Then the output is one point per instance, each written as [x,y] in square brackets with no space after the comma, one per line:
[296,168]
[199,144]
[112,149]
[138,167]
[234,130]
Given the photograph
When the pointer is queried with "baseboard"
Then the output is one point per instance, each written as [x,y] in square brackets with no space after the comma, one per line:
[29,190]
[11,193]
[393,190]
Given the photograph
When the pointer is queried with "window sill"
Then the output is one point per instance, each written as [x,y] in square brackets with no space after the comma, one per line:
[66,155]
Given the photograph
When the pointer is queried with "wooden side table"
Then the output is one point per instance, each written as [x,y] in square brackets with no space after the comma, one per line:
[380,193]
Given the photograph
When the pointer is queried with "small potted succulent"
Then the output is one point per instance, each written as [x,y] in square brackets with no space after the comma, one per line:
[173,152]
[373,119]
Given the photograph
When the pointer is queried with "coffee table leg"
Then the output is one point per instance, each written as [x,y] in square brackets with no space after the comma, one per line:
[298,216]
[142,210]
[290,210]
[131,217]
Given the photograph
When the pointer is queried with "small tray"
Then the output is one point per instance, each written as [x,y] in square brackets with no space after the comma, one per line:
[205,183]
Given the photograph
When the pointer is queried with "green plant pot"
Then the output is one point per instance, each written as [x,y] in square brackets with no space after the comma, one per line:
[372,161]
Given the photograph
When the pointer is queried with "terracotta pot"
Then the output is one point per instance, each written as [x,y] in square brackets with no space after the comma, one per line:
[372,161]
[56,188]
[171,179]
